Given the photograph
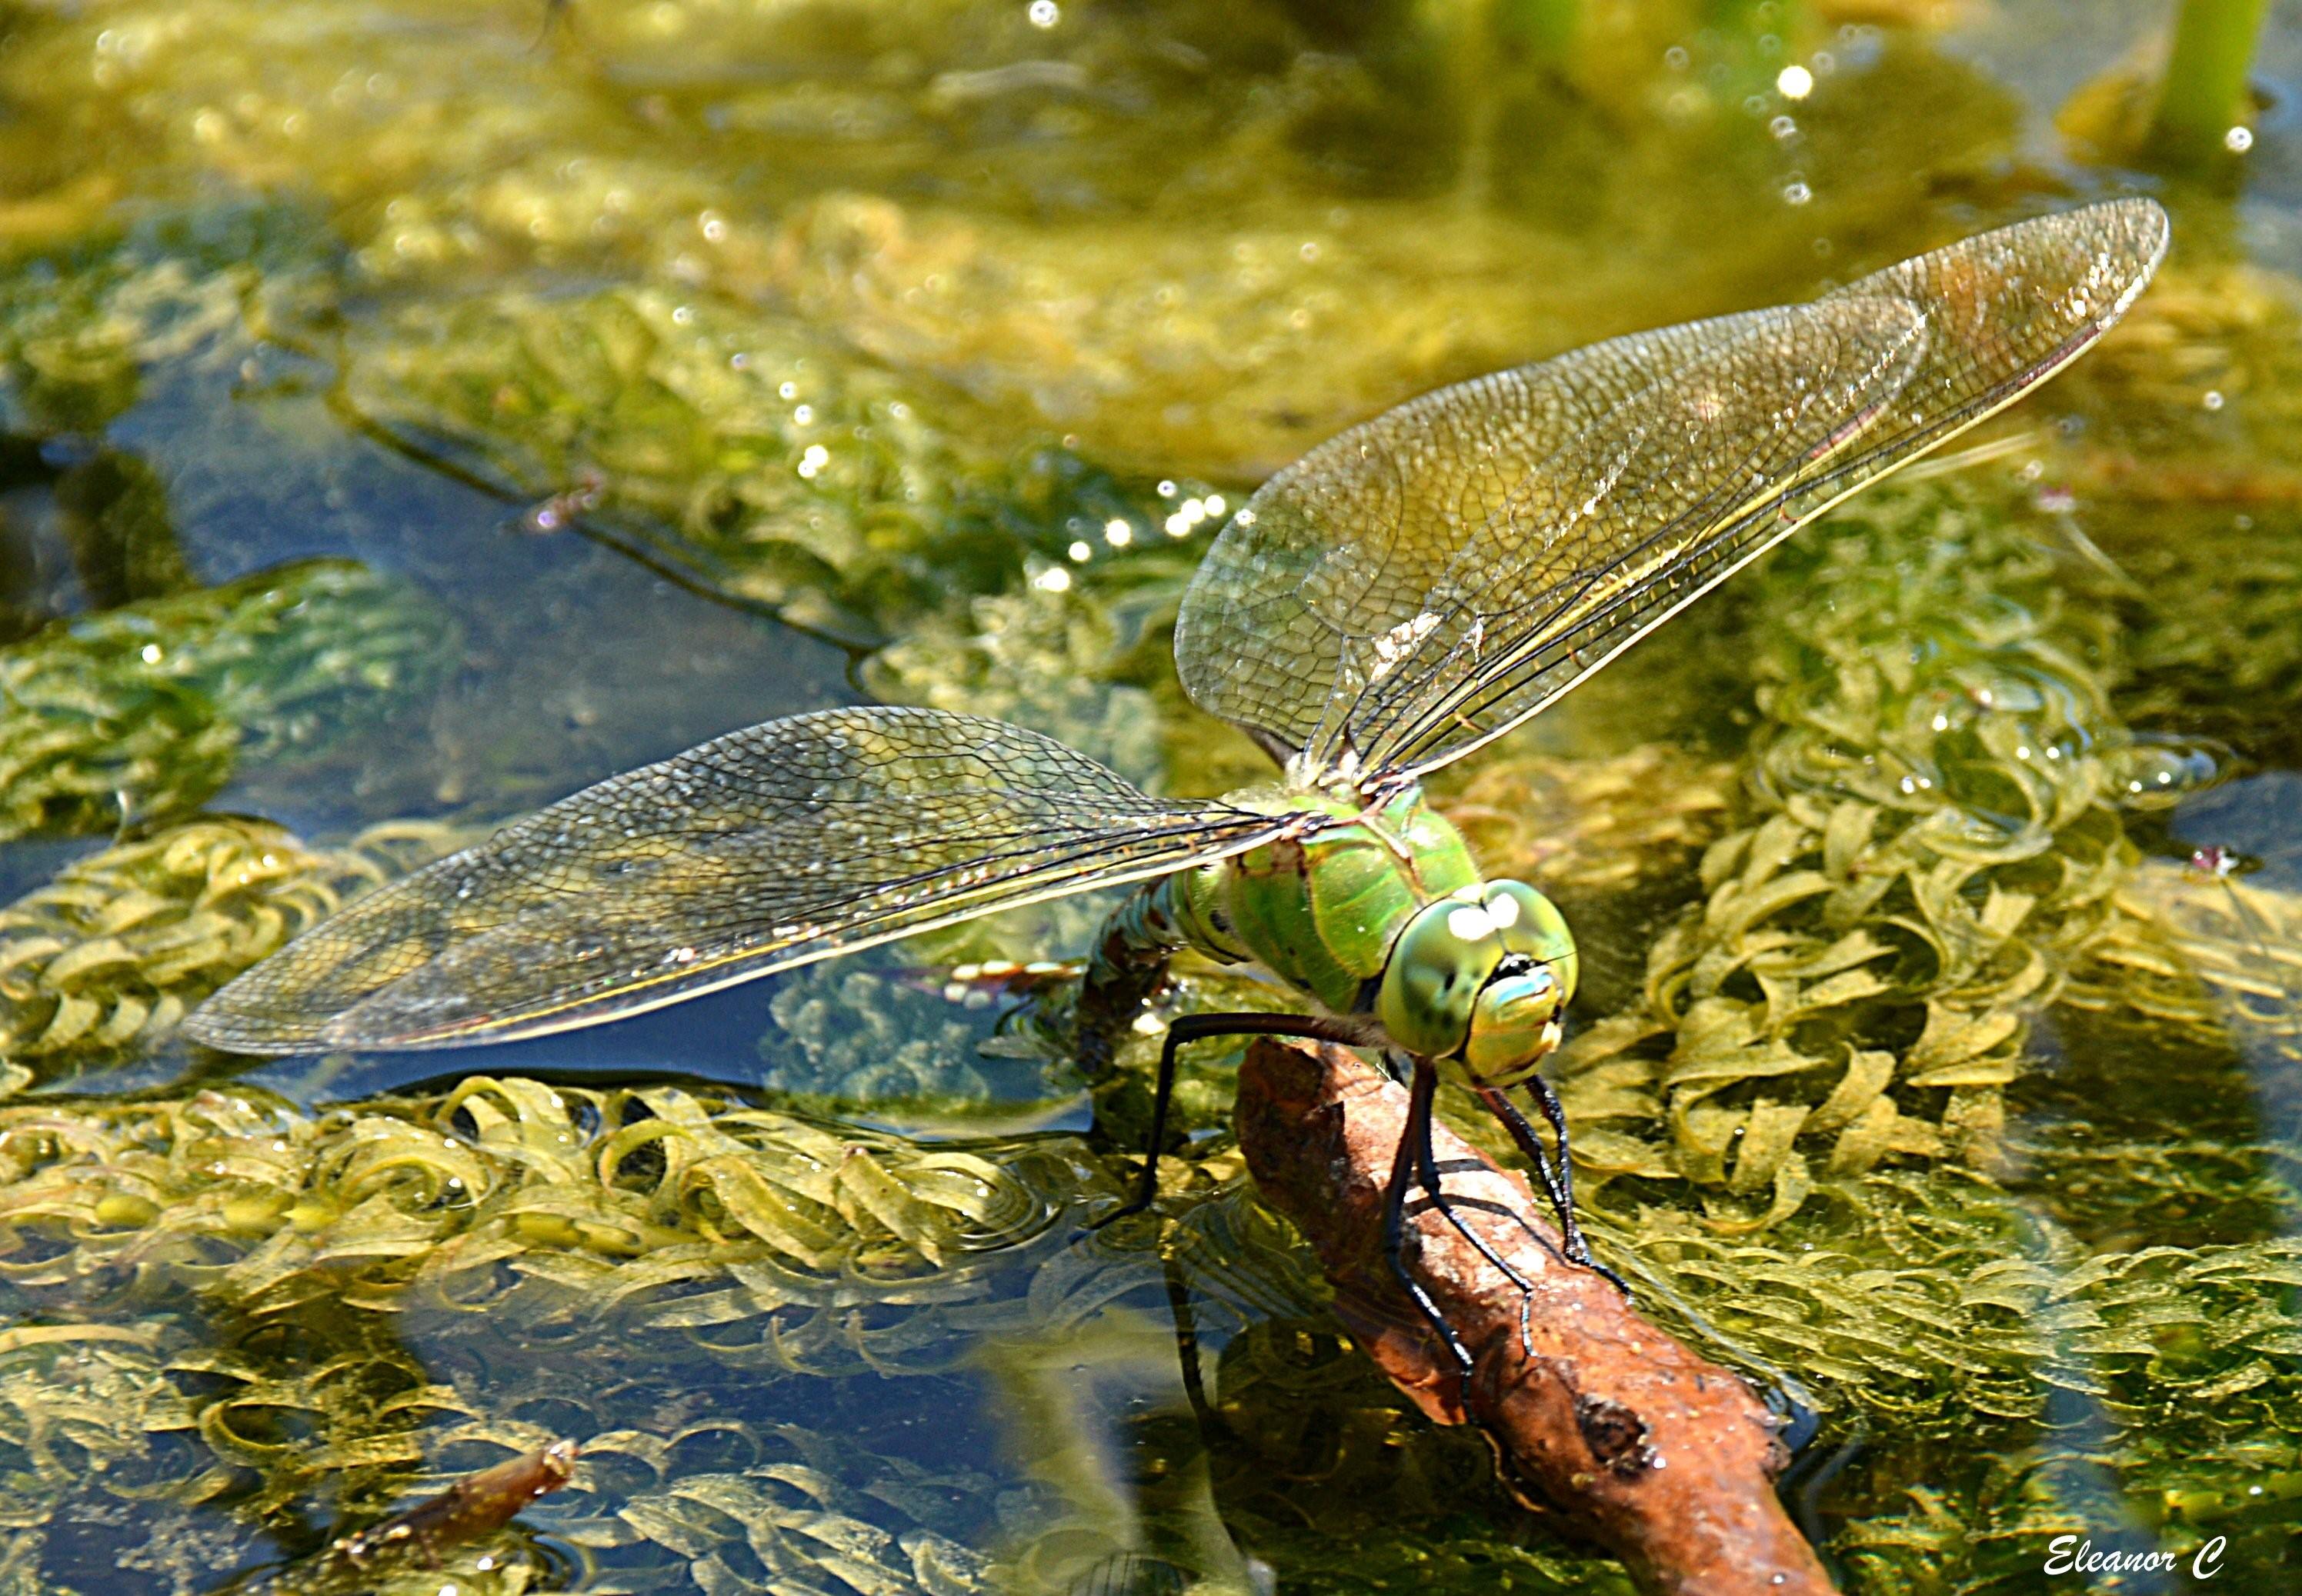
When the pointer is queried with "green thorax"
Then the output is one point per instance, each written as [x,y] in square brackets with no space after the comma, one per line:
[1322,910]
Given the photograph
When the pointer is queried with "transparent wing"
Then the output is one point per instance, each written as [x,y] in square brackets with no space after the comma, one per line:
[767,848]
[1422,583]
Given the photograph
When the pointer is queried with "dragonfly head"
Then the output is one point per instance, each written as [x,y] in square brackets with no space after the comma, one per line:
[1481,977]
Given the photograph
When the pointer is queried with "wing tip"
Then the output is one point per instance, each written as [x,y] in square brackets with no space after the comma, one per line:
[2152,229]
[227,1031]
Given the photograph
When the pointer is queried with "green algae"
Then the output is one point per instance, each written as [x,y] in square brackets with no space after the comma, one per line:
[2214,652]
[697,1236]
[401,1204]
[854,1041]
[1041,659]
[1931,834]
[1029,282]
[100,965]
[744,447]
[1183,239]
[76,334]
[141,712]
[235,1236]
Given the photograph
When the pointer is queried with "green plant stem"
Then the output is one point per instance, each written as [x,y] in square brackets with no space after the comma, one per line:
[2204,94]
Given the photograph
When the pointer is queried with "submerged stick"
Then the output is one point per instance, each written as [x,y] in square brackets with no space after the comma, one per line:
[477,1505]
[1610,1427]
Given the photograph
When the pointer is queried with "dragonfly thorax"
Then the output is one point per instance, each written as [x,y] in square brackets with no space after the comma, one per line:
[1382,912]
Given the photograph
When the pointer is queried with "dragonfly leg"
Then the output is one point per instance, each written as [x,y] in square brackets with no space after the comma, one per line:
[1198,1028]
[1213,1428]
[1426,1162]
[1403,1164]
[1562,1198]
[1557,1175]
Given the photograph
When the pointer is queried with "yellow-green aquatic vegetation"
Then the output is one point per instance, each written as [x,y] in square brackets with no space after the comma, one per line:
[111,1429]
[80,753]
[1613,837]
[1225,339]
[2212,640]
[1928,1299]
[2188,464]
[1136,335]
[141,712]
[742,446]
[361,1282]
[262,1270]
[1992,1526]
[462,149]
[859,1042]
[80,1403]
[1920,1309]
[788,1510]
[1133,334]
[1300,1456]
[76,331]
[1039,658]
[2204,953]
[1591,825]
[2193,398]
[100,963]
[1931,834]
[508,1196]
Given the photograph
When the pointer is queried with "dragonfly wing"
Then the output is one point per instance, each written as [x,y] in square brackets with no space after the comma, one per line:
[1422,583]
[767,848]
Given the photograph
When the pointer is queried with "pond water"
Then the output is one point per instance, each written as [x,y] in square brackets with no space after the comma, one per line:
[411,412]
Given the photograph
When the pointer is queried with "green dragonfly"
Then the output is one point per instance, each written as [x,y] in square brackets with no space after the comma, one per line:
[1406,593]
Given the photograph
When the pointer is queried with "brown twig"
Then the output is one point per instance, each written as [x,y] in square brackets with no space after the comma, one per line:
[1609,1426]
[477,1505]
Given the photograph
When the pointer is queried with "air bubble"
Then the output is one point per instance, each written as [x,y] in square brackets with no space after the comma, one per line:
[2158,771]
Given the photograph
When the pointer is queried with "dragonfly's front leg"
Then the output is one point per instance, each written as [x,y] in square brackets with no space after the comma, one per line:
[1422,1087]
[1558,1176]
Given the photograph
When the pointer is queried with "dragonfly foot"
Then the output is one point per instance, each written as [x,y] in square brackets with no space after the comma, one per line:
[1605,1273]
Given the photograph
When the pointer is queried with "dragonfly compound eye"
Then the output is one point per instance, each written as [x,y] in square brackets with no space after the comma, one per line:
[1482,974]
[1436,968]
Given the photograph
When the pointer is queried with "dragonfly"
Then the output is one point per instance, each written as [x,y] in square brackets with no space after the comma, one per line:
[1403,595]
